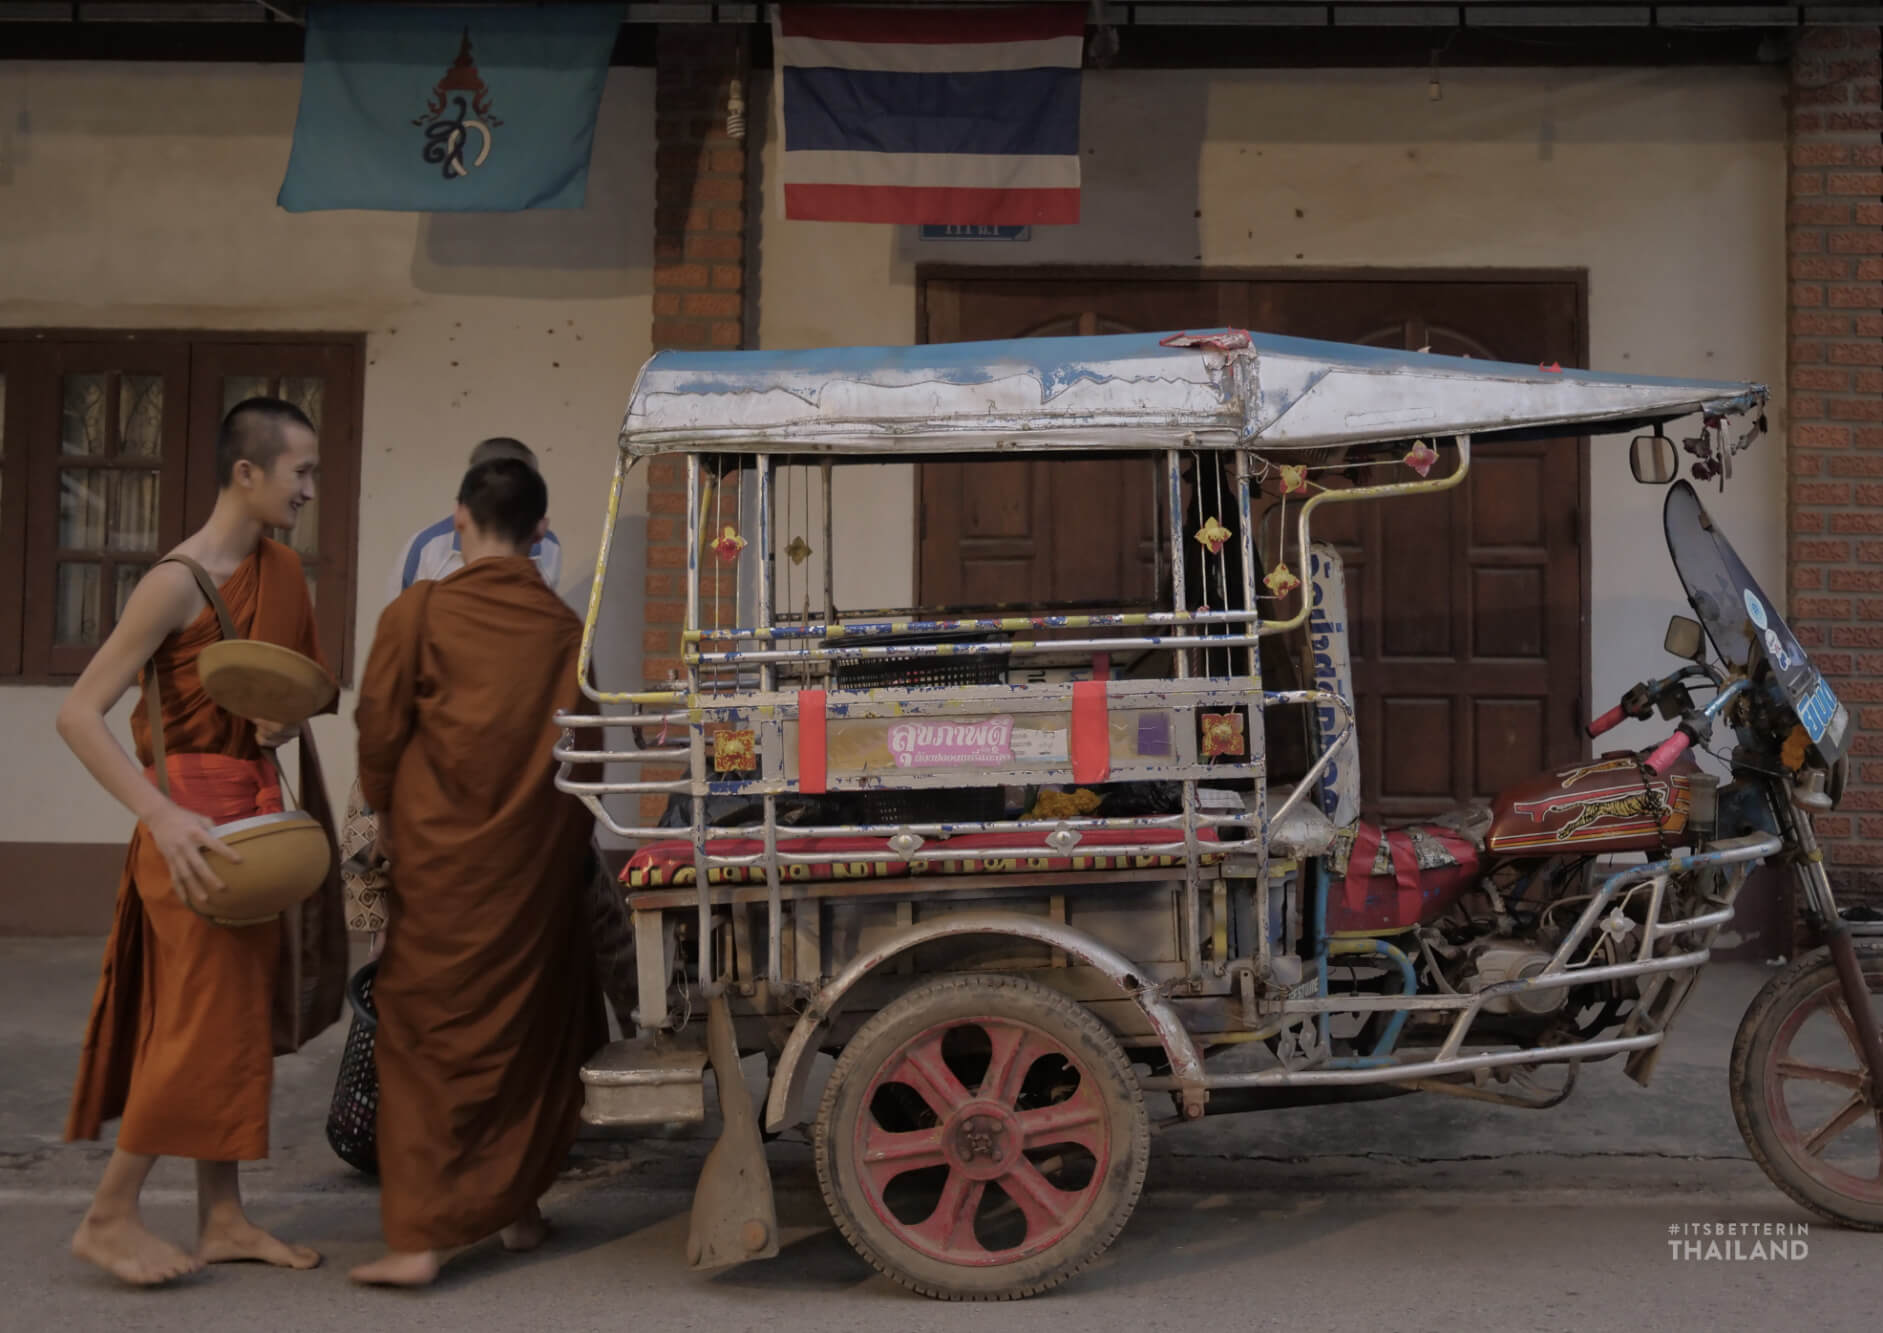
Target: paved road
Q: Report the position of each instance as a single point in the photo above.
(1580, 1263)
(1411, 1214)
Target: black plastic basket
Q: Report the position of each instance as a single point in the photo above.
(352, 1119)
(870, 673)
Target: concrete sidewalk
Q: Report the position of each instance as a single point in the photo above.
(1676, 1135)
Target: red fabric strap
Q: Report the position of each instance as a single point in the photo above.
(1091, 732)
(813, 752)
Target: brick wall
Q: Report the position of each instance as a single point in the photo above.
(1835, 506)
(699, 288)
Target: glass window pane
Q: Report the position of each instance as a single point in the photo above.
(237, 387)
(140, 415)
(306, 392)
(76, 618)
(83, 427)
(134, 511)
(127, 577)
(83, 494)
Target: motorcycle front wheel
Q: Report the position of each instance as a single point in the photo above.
(1811, 1116)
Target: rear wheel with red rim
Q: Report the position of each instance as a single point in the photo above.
(982, 1138)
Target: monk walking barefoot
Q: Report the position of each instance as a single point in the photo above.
(487, 995)
(181, 1037)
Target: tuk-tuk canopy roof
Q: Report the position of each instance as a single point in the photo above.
(1129, 391)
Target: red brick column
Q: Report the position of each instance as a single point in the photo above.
(1834, 233)
(699, 287)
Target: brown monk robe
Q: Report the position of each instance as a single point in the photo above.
(186, 1023)
(487, 996)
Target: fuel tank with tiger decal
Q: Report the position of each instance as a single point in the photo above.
(1611, 804)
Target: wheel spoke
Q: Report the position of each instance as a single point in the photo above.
(1047, 1207)
(1853, 1112)
(951, 1225)
(923, 1069)
(1843, 1078)
(1841, 1013)
(1075, 1120)
(1014, 1051)
(886, 1156)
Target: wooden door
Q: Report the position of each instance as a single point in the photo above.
(1467, 608)
(1048, 532)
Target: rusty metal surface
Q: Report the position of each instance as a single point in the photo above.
(783, 1106)
(1125, 392)
(734, 1218)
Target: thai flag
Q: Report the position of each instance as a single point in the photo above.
(965, 117)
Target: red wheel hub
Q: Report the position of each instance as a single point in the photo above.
(984, 1139)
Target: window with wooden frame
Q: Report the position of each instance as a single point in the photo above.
(108, 459)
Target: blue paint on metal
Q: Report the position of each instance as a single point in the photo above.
(1384, 1046)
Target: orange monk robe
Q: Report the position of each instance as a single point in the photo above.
(181, 1041)
(487, 996)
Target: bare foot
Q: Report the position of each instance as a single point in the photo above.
(239, 1240)
(130, 1253)
(526, 1233)
(399, 1270)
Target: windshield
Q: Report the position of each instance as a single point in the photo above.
(1738, 615)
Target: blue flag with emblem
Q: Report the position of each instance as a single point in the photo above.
(420, 110)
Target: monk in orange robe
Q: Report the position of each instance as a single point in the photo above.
(487, 992)
(180, 1042)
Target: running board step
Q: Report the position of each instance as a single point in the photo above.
(658, 1080)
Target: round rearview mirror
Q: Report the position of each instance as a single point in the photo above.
(1652, 459)
(1685, 639)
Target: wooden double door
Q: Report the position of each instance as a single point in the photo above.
(1468, 609)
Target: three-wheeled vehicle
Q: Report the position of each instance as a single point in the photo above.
(1020, 868)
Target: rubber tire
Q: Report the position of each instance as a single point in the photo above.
(1774, 1002)
(965, 996)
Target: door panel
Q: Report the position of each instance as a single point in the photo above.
(1468, 627)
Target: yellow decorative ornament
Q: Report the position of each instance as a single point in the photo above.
(1212, 535)
(799, 550)
(1294, 478)
(1281, 580)
(729, 545)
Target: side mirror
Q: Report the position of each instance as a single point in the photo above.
(1652, 459)
(1685, 639)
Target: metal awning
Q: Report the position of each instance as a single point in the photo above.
(1139, 34)
(1129, 392)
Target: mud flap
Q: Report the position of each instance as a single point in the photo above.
(734, 1218)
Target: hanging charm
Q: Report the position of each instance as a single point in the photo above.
(729, 545)
(1213, 534)
(1222, 735)
(1294, 478)
(1421, 457)
(735, 751)
(1281, 580)
(799, 550)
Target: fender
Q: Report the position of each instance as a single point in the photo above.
(783, 1105)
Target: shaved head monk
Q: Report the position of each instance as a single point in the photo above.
(487, 995)
(180, 1041)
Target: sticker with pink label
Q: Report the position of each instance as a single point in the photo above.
(984, 744)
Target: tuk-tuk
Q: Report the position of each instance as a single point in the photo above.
(1019, 869)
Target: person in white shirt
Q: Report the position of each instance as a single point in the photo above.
(433, 552)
